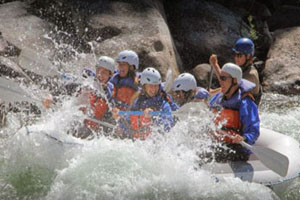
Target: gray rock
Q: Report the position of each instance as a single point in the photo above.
(282, 69)
(202, 75)
(39, 55)
(284, 17)
(139, 26)
(201, 28)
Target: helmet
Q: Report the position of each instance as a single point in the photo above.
(244, 45)
(107, 63)
(185, 82)
(130, 57)
(150, 76)
(234, 70)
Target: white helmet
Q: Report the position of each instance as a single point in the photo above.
(234, 70)
(107, 63)
(185, 82)
(130, 57)
(150, 76)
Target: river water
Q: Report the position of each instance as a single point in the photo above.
(34, 166)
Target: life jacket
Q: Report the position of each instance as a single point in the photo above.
(141, 125)
(227, 111)
(99, 107)
(124, 89)
(98, 104)
(257, 91)
(230, 121)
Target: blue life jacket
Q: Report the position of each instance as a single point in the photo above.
(157, 103)
(124, 88)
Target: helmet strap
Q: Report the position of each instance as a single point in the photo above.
(229, 89)
(246, 64)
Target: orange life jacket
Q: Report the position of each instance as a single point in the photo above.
(140, 126)
(124, 96)
(99, 106)
(230, 121)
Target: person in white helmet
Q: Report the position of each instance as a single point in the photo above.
(94, 98)
(236, 112)
(244, 49)
(99, 95)
(149, 99)
(186, 90)
(125, 81)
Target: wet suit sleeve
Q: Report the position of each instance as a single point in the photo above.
(250, 120)
(165, 119)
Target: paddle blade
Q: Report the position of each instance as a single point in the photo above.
(274, 160)
(194, 109)
(169, 81)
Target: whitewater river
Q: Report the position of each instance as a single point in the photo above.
(34, 166)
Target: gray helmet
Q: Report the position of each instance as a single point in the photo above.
(234, 70)
(107, 63)
(129, 57)
(185, 82)
(150, 76)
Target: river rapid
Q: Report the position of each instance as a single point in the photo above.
(35, 166)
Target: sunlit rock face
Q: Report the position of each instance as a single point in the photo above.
(282, 66)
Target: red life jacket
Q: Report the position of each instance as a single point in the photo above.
(124, 96)
(231, 124)
(99, 107)
(140, 126)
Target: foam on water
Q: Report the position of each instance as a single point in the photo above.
(162, 167)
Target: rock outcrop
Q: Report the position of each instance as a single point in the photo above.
(282, 71)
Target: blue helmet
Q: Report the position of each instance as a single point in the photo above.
(244, 45)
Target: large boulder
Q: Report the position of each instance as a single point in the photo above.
(282, 71)
(136, 25)
(201, 28)
(202, 74)
(284, 17)
(40, 50)
(26, 32)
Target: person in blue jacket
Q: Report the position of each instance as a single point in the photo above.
(125, 81)
(186, 90)
(148, 100)
(237, 114)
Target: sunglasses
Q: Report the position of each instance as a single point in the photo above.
(239, 55)
(224, 78)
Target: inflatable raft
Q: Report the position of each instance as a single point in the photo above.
(255, 171)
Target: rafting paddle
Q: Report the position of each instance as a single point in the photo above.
(210, 77)
(192, 109)
(273, 160)
(106, 124)
(169, 81)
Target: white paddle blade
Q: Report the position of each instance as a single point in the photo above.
(169, 81)
(199, 109)
(274, 160)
